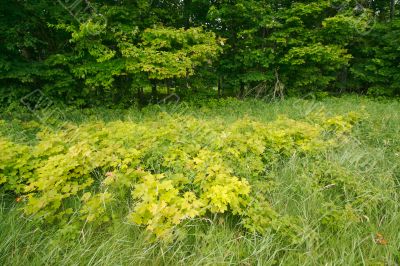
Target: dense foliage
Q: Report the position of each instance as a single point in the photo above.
(228, 181)
(176, 167)
(288, 182)
(92, 52)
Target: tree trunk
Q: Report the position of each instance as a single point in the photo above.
(154, 89)
(241, 92)
(140, 96)
(169, 85)
(219, 87)
(187, 5)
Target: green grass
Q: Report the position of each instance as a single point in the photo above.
(372, 155)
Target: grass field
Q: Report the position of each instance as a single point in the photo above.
(338, 205)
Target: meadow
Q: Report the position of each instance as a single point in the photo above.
(206, 182)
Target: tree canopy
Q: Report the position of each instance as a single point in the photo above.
(91, 52)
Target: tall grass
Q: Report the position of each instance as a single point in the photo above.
(372, 154)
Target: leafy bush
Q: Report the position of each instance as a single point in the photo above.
(176, 168)
(15, 166)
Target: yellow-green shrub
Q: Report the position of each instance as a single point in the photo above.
(16, 164)
(176, 168)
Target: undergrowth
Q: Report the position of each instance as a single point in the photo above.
(221, 182)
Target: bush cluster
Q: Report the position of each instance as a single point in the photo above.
(166, 171)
